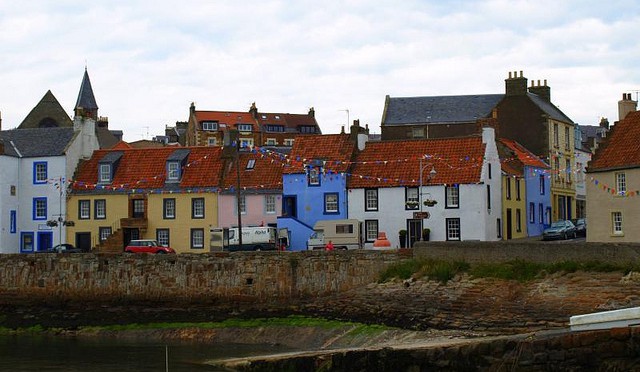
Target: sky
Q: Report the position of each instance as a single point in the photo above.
(148, 60)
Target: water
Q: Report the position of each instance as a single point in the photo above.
(48, 353)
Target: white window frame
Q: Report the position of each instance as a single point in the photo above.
(616, 223)
(197, 208)
(453, 229)
(331, 203)
(243, 204)
(288, 141)
(251, 163)
(246, 142)
(621, 182)
(271, 142)
(173, 171)
(212, 141)
(197, 238)
(371, 230)
(370, 199)
(163, 237)
(314, 176)
(411, 198)
(105, 232)
(40, 172)
(105, 173)
(84, 209)
(270, 204)
(245, 128)
(100, 209)
(452, 196)
(169, 208)
(210, 125)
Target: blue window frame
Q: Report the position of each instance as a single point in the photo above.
(39, 208)
(313, 177)
(331, 203)
(26, 241)
(40, 172)
(12, 222)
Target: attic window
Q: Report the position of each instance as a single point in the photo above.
(307, 129)
(105, 173)
(175, 163)
(264, 117)
(277, 117)
(210, 125)
(244, 127)
(173, 171)
(251, 163)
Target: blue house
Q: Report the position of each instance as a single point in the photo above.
(314, 183)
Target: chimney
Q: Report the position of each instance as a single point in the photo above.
(192, 108)
(0, 120)
(542, 91)
(626, 105)
(516, 85)
(312, 112)
(604, 123)
(254, 111)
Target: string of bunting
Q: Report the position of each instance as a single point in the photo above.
(611, 190)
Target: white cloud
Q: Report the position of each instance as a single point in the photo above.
(148, 61)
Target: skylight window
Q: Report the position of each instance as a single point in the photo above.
(251, 163)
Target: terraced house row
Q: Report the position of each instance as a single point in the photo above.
(469, 167)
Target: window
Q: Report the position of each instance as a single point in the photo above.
(169, 209)
(251, 164)
(105, 173)
(39, 208)
(197, 238)
(616, 221)
(173, 171)
(314, 176)
(271, 142)
(568, 170)
(162, 236)
(209, 125)
(331, 203)
(39, 172)
(26, 241)
(100, 209)
(508, 188)
(518, 220)
(197, 208)
(489, 169)
(555, 135)
(567, 139)
(418, 133)
(307, 129)
(243, 204)
(344, 229)
(547, 216)
(288, 142)
(104, 233)
(411, 198)
(489, 197)
(274, 128)
(452, 196)
(246, 142)
(212, 141)
(517, 180)
(532, 212)
(540, 213)
(371, 230)
(556, 168)
(499, 225)
(84, 209)
(542, 184)
(12, 222)
(371, 199)
(621, 183)
(245, 127)
(453, 228)
(270, 204)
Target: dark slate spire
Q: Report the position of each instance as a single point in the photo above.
(86, 100)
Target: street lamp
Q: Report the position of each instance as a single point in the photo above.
(432, 174)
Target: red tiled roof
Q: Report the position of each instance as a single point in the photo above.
(514, 156)
(121, 145)
(523, 154)
(145, 168)
(227, 118)
(621, 147)
(397, 163)
(266, 173)
(335, 149)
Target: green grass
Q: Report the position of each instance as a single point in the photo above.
(519, 270)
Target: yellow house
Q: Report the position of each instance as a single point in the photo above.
(169, 194)
(514, 212)
(613, 185)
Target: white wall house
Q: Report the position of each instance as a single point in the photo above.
(461, 174)
(39, 162)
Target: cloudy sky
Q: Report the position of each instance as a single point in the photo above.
(148, 60)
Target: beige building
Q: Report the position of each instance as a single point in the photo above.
(613, 182)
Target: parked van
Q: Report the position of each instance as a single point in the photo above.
(343, 234)
(253, 239)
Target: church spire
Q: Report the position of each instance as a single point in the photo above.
(86, 104)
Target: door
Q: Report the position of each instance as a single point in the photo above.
(83, 241)
(509, 224)
(414, 231)
(289, 208)
(129, 235)
(45, 240)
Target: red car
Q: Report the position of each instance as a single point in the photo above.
(147, 246)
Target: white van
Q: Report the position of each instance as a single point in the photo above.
(253, 239)
(343, 234)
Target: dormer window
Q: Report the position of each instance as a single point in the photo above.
(173, 171)
(277, 117)
(307, 129)
(210, 125)
(245, 127)
(105, 173)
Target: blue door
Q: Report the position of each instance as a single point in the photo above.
(45, 240)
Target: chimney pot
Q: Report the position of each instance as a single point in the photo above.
(520, 73)
(538, 82)
(509, 74)
(545, 82)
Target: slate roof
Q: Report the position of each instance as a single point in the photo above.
(265, 175)
(37, 142)
(621, 148)
(48, 107)
(439, 109)
(145, 168)
(397, 163)
(549, 108)
(86, 99)
(336, 149)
